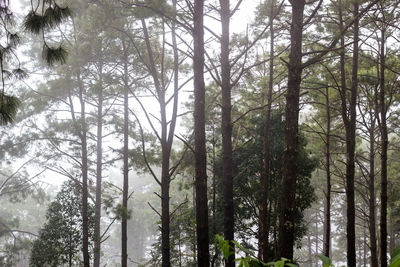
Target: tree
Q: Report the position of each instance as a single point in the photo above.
(288, 203)
(203, 257)
(226, 120)
(59, 242)
(50, 16)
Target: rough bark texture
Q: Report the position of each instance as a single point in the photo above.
(99, 167)
(266, 143)
(227, 130)
(125, 188)
(384, 148)
(289, 179)
(327, 212)
(203, 257)
(83, 131)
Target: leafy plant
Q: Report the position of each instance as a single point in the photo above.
(395, 257)
(250, 260)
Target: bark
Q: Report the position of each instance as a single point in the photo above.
(349, 120)
(266, 144)
(99, 166)
(125, 187)
(371, 188)
(227, 131)
(203, 257)
(289, 179)
(84, 168)
(327, 212)
(384, 148)
(350, 149)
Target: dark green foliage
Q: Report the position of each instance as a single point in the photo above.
(54, 15)
(248, 166)
(8, 108)
(249, 260)
(34, 22)
(54, 55)
(51, 16)
(59, 242)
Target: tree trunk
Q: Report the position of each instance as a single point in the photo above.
(289, 179)
(371, 188)
(214, 195)
(266, 143)
(203, 257)
(310, 261)
(327, 223)
(125, 188)
(316, 237)
(99, 166)
(392, 243)
(227, 131)
(350, 149)
(165, 152)
(384, 148)
(83, 132)
(349, 121)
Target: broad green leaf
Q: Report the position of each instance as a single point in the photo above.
(327, 262)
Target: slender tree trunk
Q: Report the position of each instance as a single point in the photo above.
(392, 243)
(371, 188)
(310, 261)
(266, 143)
(350, 150)
(384, 148)
(214, 195)
(289, 179)
(99, 167)
(83, 132)
(365, 246)
(349, 121)
(165, 152)
(227, 131)
(125, 188)
(203, 255)
(316, 237)
(327, 223)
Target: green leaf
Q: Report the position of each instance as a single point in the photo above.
(395, 262)
(396, 252)
(327, 262)
(279, 264)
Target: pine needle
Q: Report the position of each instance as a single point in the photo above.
(8, 109)
(54, 55)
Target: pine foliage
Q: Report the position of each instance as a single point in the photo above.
(8, 109)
